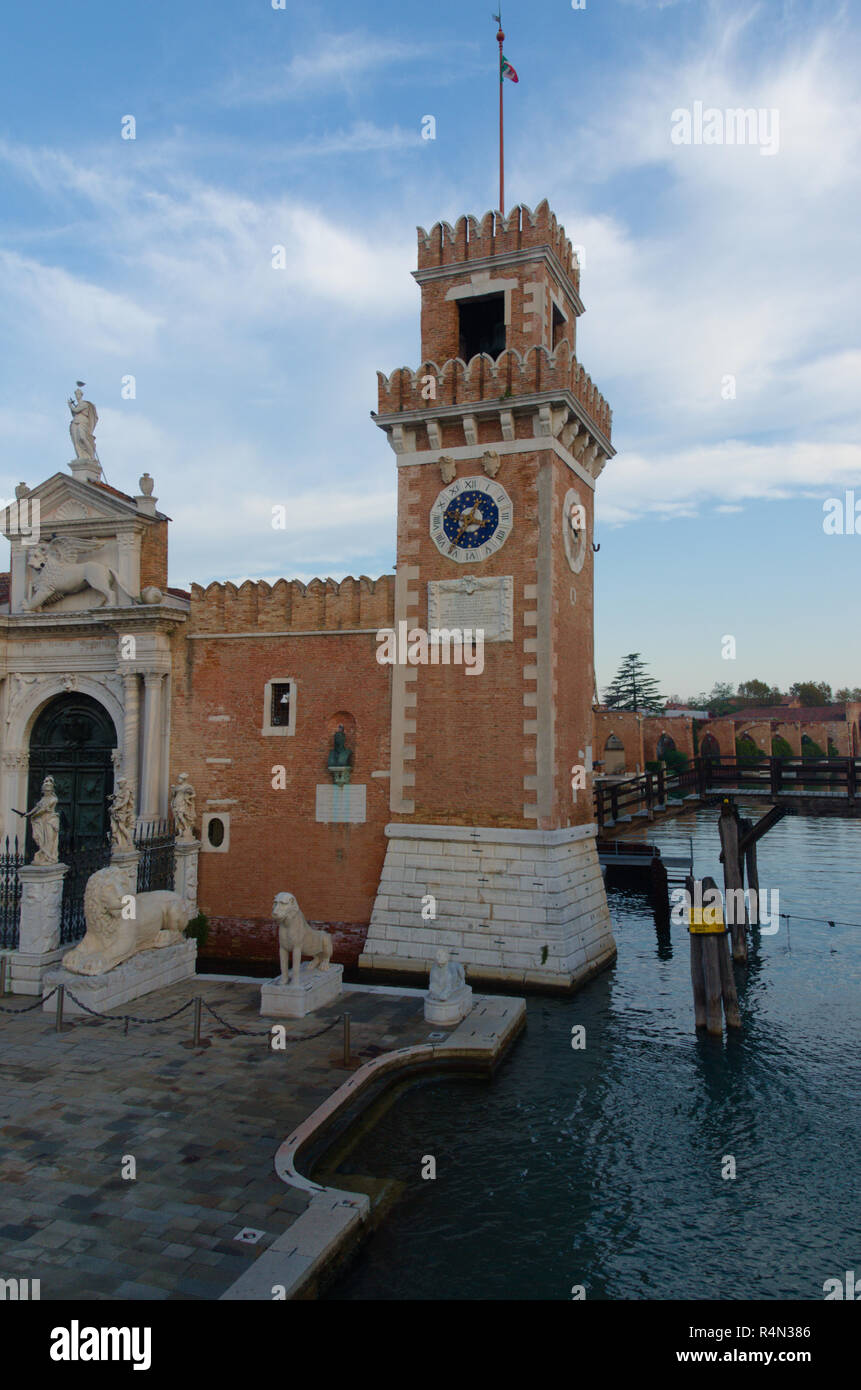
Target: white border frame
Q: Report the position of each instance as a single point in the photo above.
(270, 730)
(205, 846)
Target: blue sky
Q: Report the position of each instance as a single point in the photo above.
(301, 127)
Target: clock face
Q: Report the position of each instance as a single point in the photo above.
(471, 519)
(574, 533)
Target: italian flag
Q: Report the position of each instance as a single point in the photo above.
(508, 71)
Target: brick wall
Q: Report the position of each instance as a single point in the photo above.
(275, 841)
(154, 555)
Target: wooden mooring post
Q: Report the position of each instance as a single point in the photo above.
(751, 868)
(733, 876)
(711, 968)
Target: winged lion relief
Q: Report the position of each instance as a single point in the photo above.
(59, 567)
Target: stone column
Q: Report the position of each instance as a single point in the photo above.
(151, 769)
(131, 726)
(39, 932)
(185, 854)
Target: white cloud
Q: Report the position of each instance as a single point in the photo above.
(338, 60)
(634, 486)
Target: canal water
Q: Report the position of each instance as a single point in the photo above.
(602, 1167)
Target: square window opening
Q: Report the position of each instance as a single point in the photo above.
(482, 326)
(558, 327)
(279, 709)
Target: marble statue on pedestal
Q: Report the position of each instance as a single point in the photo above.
(45, 823)
(296, 937)
(449, 997)
(447, 977)
(183, 807)
(83, 424)
(122, 807)
(112, 937)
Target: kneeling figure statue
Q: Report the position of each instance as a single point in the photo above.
(113, 935)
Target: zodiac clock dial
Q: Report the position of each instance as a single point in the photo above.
(471, 519)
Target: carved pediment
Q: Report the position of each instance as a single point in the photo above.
(75, 546)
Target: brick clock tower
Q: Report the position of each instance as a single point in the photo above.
(500, 437)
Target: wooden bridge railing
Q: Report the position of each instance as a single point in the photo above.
(771, 777)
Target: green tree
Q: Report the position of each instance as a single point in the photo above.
(759, 693)
(811, 693)
(632, 687)
(810, 748)
(722, 699)
(847, 693)
(746, 750)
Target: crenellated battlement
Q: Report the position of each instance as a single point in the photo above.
(290, 605)
(493, 235)
(512, 374)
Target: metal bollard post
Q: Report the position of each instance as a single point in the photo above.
(346, 1040)
(3, 963)
(58, 1021)
(197, 1013)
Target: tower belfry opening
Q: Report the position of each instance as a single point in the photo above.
(482, 326)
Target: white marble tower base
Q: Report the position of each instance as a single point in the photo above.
(315, 989)
(522, 906)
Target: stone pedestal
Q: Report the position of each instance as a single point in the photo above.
(39, 932)
(527, 907)
(185, 854)
(143, 973)
(315, 989)
(449, 1011)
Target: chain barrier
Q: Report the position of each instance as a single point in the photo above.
(28, 1008)
(127, 1018)
(265, 1032)
(164, 1018)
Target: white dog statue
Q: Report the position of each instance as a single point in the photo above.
(294, 935)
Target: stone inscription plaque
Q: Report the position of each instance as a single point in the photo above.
(474, 603)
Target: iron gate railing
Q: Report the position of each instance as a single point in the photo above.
(155, 840)
(11, 859)
(84, 856)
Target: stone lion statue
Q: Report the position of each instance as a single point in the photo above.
(59, 569)
(113, 934)
(295, 935)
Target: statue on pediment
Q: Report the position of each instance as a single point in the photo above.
(83, 424)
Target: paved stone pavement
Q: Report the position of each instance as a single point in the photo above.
(203, 1126)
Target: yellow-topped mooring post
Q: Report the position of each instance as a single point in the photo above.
(711, 968)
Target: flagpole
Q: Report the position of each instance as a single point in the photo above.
(500, 38)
